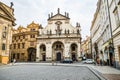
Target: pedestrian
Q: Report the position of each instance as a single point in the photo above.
(101, 58)
(106, 58)
(14, 61)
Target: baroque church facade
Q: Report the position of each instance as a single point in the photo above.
(59, 40)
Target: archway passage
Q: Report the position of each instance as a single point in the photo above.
(31, 54)
(58, 56)
(73, 50)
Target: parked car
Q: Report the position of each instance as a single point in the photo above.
(67, 61)
(89, 61)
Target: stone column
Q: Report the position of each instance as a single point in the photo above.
(48, 52)
(78, 52)
(66, 51)
(38, 53)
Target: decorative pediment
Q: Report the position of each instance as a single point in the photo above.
(33, 25)
(6, 12)
(58, 17)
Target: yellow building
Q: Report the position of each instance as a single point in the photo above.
(6, 23)
(24, 43)
(86, 47)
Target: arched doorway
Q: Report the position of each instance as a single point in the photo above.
(31, 54)
(73, 51)
(58, 56)
(43, 52)
(57, 51)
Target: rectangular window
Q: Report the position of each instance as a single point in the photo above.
(13, 56)
(15, 37)
(18, 55)
(23, 36)
(32, 36)
(23, 45)
(119, 52)
(14, 46)
(19, 37)
(18, 45)
(116, 15)
(56, 46)
(3, 46)
(32, 29)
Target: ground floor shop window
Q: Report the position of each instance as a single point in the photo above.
(119, 52)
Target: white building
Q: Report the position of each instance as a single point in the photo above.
(115, 23)
(96, 31)
(59, 39)
(105, 31)
(101, 32)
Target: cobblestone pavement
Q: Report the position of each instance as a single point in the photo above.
(112, 76)
(108, 72)
(46, 72)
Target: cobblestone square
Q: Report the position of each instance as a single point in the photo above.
(42, 72)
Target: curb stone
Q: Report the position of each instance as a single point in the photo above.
(98, 74)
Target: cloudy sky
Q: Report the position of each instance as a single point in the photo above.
(27, 11)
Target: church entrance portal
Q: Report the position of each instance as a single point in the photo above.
(58, 56)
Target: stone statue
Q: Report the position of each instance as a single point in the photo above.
(11, 4)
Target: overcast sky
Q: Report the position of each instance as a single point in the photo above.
(27, 11)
